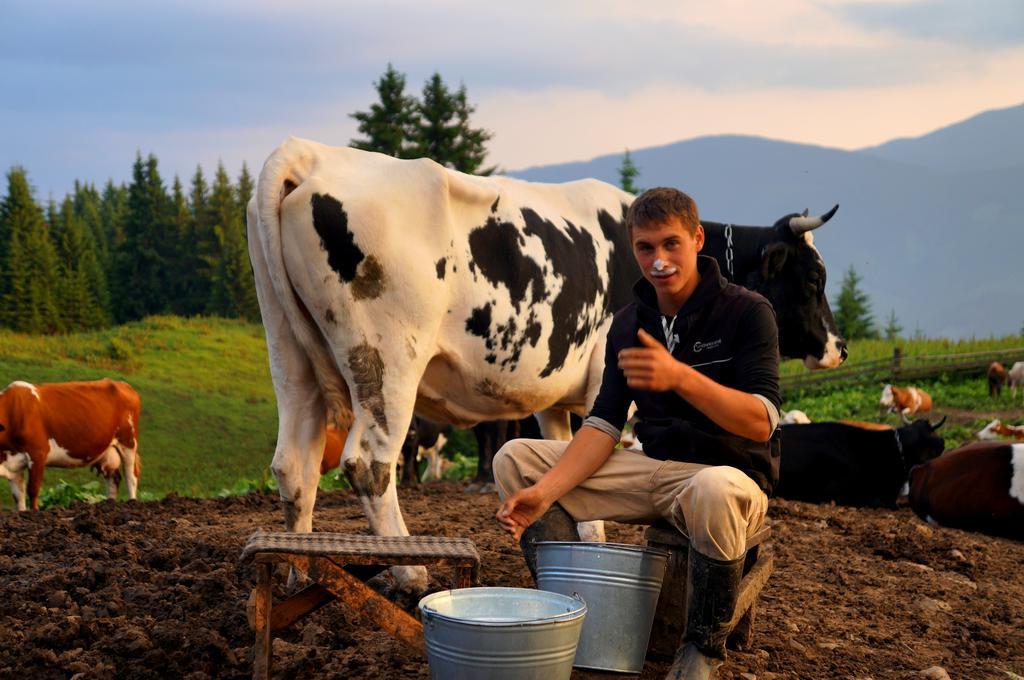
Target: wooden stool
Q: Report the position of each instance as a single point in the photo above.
(670, 616)
(338, 564)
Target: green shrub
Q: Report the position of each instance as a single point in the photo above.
(464, 467)
(64, 494)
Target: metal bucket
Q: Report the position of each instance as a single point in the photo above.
(501, 633)
(620, 584)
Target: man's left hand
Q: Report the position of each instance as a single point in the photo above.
(650, 367)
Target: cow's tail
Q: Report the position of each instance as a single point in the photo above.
(286, 168)
(291, 164)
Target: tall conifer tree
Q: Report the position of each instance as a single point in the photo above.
(30, 271)
(204, 246)
(627, 173)
(388, 125)
(233, 291)
(852, 309)
(81, 289)
(181, 271)
(140, 265)
(113, 208)
(443, 132)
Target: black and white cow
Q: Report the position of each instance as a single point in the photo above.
(782, 264)
(978, 486)
(852, 465)
(389, 287)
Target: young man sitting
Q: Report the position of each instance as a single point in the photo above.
(700, 358)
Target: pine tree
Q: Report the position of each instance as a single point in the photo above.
(443, 132)
(852, 310)
(30, 272)
(81, 288)
(181, 270)
(202, 258)
(389, 124)
(245, 189)
(87, 205)
(233, 291)
(140, 264)
(113, 208)
(627, 173)
(892, 328)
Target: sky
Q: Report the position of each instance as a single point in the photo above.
(84, 86)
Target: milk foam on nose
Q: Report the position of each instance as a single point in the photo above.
(659, 264)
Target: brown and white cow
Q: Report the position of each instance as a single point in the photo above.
(996, 378)
(997, 429)
(905, 400)
(72, 424)
(979, 486)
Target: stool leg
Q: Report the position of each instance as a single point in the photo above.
(464, 578)
(262, 650)
(743, 634)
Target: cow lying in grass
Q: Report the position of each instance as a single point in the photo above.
(997, 429)
(850, 465)
(906, 401)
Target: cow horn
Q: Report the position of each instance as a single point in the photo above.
(939, 424)
(802, 224)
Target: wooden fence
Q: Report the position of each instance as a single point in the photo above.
(897, 370)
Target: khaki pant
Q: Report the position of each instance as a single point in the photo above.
(718, 507)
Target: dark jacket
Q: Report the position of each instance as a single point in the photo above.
(726, 332)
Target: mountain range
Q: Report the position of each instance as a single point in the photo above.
(931, 224)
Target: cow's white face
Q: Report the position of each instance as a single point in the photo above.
(989, 433)
(886, 400)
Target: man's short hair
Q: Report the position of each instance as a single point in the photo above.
(658, 205)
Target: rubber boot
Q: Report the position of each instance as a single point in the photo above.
(713, 587)
(554, 525)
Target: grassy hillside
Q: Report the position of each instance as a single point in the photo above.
(208, 412)
(209, 419)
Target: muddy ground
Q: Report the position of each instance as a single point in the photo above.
(155, 590)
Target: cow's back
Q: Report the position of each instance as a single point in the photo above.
(86, 417)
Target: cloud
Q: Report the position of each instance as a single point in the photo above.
(981, 24)
(107, 77)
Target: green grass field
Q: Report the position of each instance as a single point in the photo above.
(209, 420)
(209, 417)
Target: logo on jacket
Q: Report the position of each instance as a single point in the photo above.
(701, 346)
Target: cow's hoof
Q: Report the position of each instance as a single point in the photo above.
(473, 487)
(411, 580)
(489, 487)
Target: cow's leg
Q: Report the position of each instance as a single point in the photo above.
(554, 424)
(113, 483)
(16, 478)
(128, 455)
(383, 381)
(35, 479)
(19, 491)
(13, 468)
(302, 431)
(301, 406)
